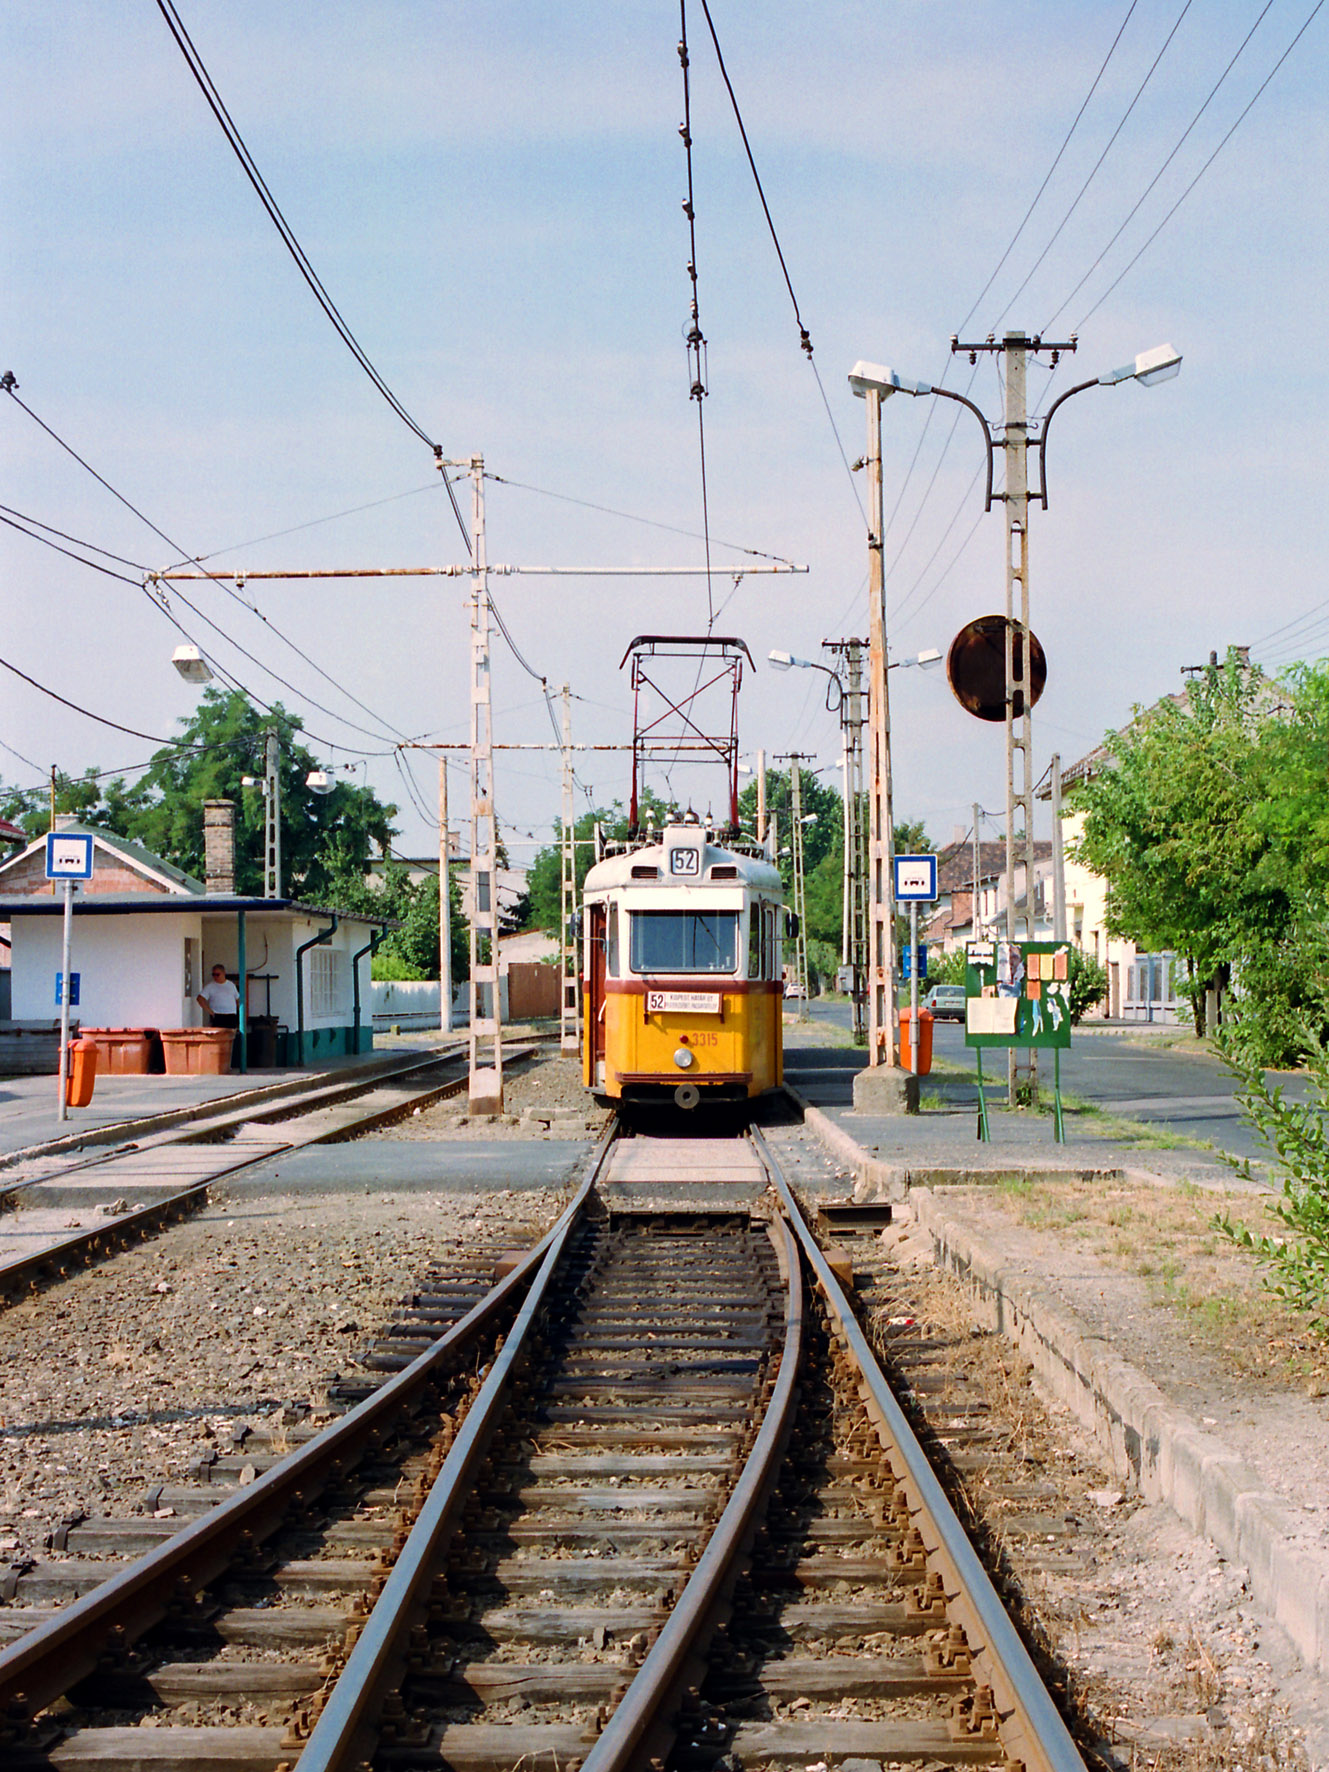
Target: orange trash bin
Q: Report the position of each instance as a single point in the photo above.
(82, 1073)
(924, 1040)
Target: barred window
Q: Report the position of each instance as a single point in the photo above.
(327, 995)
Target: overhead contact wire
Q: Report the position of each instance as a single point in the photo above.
(216, 105)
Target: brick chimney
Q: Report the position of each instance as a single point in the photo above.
(219, 846)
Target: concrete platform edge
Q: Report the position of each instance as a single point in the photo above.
(887, 1181)
(1151, 1444)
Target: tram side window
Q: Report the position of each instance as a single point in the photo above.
(611, 943)
(756, 954)
(684, 941)
(774, 962)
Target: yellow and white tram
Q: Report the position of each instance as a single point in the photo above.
(682, 971)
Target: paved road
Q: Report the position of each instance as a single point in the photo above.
(1190, 1094)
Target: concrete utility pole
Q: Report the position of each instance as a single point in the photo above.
(761, 796)
(1022, 1061)
(794, 758)
(444, 905)
(567, 901)
(978, 871)
(854, 923)
(271, 815)
(485, 1092)
(1022, 1074)
(1058, 856)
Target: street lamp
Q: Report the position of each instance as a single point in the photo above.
(873, 383)
(1148, 368)
(191, 664)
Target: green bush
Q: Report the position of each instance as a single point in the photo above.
(823, 962)
(1087, 983)
(1297, 1259)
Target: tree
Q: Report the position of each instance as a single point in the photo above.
(1172, 826)
(325, 837)
(544, 881)
(411, 950)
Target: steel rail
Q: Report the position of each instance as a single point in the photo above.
(632, 1736)
(345, 1732)
(82, 1247)
(1033, 1729)
(45, 1663)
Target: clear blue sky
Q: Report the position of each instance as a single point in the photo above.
(492, 195)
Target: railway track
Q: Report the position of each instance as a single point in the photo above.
(175, 1167)
(649, 1502)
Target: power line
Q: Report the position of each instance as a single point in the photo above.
(1056, 161)
(1177, 147)
(36, 523)
(87, 713)
(69, 554)
(1094, 169)
(218, 108)
(10, 386)
(1130, 266)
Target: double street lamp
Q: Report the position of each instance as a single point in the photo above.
(874, 383)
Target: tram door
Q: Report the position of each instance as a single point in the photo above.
(595, 1008)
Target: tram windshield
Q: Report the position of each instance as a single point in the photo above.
(684, 941)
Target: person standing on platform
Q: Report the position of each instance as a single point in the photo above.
(221, 999)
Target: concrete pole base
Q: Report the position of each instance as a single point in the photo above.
(883, 1090)
(485, 1097)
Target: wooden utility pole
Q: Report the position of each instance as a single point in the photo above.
(485, 1092)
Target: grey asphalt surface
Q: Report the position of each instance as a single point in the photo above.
(1183, 1093)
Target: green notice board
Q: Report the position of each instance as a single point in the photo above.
(1017, 993)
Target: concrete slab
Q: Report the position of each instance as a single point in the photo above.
(650, 1162)
(468, 1166)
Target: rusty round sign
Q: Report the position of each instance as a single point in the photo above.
(976, 668)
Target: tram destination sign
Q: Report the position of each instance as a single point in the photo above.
(686, 1002)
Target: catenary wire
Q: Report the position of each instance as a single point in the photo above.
(1241, 118)
(1176, 149)
(158, 601)
(204, 80)
(696, 340)
(631, 517)
(45, 540)
(804, 339)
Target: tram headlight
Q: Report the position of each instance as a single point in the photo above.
(684, 1059)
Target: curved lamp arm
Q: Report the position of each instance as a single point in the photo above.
(1079, 388)
(946, 394)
